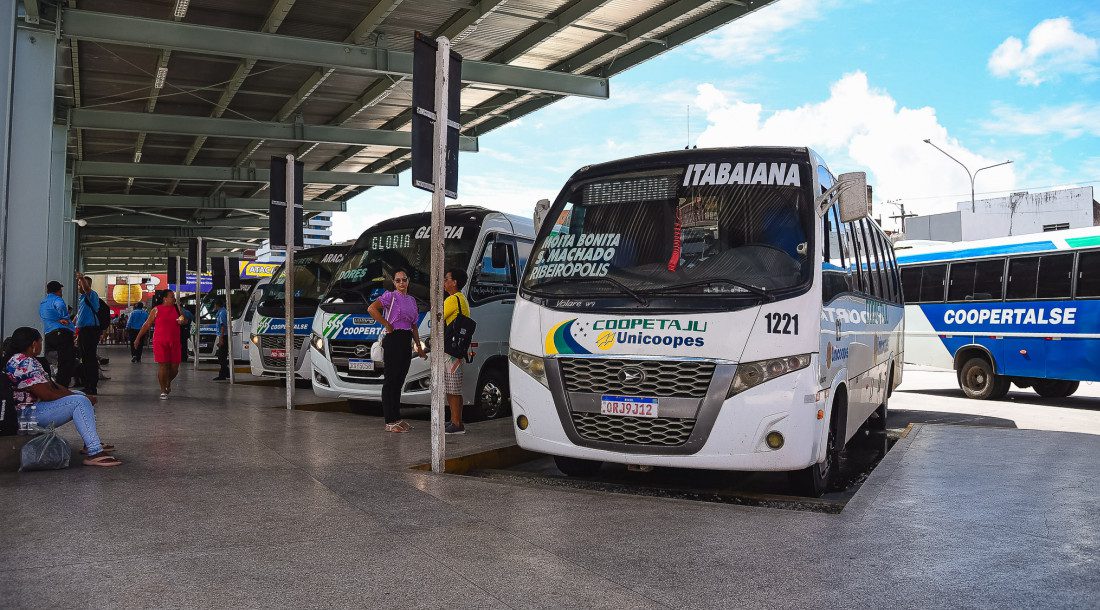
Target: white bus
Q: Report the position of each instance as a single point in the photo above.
(208, 329)
(729, 309)
(492, 247)
(1021, 310)
(313, 271)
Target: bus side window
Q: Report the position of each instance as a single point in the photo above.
(1088, 275)
(880, 261)
(866, 258)
(910, 282)
(932, 283)
(960, 282)
(855, 261)
(989, 280)
(1023, 274)
(1055, 276)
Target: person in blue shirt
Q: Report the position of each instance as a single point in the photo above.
(57, 326)
(222, 350)
(87, 334)
(133, 325)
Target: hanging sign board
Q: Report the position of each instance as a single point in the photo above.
(277, 208)
(423, 119)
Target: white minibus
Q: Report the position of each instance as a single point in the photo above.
(730, 309)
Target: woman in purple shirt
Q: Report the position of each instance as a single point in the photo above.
(396, 311)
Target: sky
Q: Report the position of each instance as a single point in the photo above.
(862, 82)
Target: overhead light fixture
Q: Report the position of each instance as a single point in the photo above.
(181, 8)
(137, 157)
(80, 222)
(162, 73)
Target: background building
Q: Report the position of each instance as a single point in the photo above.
(1016, 214)
(317, 232)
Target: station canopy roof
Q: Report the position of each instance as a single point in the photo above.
(176, 106)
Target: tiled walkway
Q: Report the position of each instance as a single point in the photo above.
(227, 500)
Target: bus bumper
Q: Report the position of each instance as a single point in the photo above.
(788, 405)
(328, 384)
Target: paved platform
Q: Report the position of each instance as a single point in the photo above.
(227, 500)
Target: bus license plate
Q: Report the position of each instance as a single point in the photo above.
(357, 364)
(628, 406)
(278, 353)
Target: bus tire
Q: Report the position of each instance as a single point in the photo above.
(365, 407)
(816, 479)
(491, 400)
(1055, 388)
(882, 413)
(576, 467)
(978, 381)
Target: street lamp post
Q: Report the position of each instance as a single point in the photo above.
(971, 175)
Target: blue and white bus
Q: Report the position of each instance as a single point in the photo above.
(1021, 310)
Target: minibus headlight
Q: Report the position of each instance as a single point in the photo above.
(255, 339)
(534, 366)
(750, 374)
(317, 341)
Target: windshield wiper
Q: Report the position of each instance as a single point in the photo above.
(760, 292)
(621, 286)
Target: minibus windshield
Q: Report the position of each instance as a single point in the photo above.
(311, 278)
(368, 272)
(206, 309)
(645, 233)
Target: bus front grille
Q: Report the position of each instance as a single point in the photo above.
(662, 378)
(270, 342)
(340, 351)
(661, 431)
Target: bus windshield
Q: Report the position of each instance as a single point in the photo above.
(312, 275)
(368, 271)
(647, 233)
(239, 298)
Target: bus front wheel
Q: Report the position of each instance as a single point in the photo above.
(978, 381)
(1055, 388)
(576, 467)
(815, 480)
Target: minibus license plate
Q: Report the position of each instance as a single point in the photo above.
(628, 406)
(358, 364)
(278, 353)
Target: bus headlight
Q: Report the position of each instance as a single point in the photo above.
(534, 366)
(750, 374)
(255, 339)
(317, 341)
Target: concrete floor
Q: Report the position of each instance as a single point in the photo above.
(226, 500)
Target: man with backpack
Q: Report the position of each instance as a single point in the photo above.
(92, 316)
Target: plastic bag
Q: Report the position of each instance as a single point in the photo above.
(45, 452)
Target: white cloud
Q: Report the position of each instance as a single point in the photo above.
(1053, 47)
(1071, 120)
(860, 128)
(755, 37)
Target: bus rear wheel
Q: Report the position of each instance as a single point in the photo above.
(576, 467)
(1055, 388)
(978, 381)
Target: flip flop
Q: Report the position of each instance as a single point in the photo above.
(105, 449)
(164, 395)
(396, 427)
(102, 460)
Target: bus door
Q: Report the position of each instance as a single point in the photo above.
(492, 296)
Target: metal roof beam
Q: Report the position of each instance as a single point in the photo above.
(107, 120)
(195, 203)
(173, 232)
(132, 220)
(157, 33)
(226, 174)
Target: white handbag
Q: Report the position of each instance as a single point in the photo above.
(376, 353)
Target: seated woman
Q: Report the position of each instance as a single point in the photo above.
(55, 405)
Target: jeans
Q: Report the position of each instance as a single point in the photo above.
(75, 408)
(396, 357)
(135, 353)
(87, 341)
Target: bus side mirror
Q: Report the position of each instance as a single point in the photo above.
(542, 208)
(852, 193)
(500, 255)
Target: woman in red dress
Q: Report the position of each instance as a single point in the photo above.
(166, 321)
